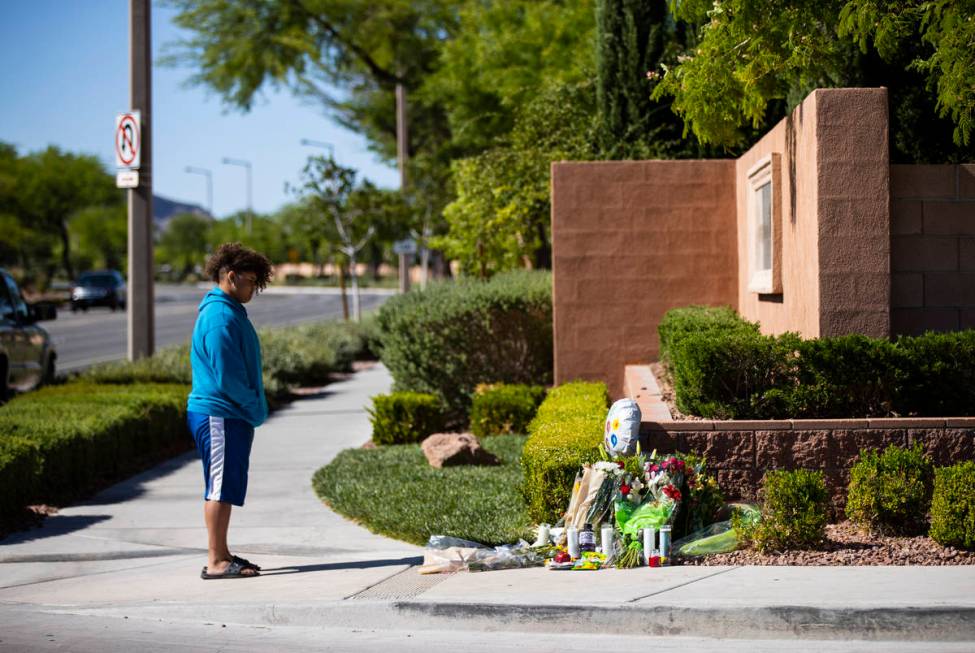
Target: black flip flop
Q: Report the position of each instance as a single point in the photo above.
(243, 562)
(234, 570)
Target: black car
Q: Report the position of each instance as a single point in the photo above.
(102, 288)
(27, 356)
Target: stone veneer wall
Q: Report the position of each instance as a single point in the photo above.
(932, 248)
(741, 451)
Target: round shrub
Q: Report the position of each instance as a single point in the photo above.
(794, 511)
(503, 409)
(890, 492)
(953, 506)
(451, 337)
(405, 417)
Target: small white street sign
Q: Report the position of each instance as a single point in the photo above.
(407, 246)
(128, 140)
(127, 179)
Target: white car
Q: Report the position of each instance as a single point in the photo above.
(27, 357)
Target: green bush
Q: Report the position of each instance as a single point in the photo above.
(953, 506)
(890, 492)
(451, 337)
(405, 417)
(20, 471)
(292, 356)
(564, 435)
(678, 323)
(85, 435)
(502, 408)
(412, 500)
(794, 511)
(722, 367)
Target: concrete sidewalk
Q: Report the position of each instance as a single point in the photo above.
(134, 552)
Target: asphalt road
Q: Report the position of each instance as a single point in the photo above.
(83, 339)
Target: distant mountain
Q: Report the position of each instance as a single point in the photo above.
(163, 210)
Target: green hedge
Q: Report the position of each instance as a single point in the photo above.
(564, 435)
(292, 356)
(890, 492)
(405, 417)
(505, 409)
(451, 337)
(953, 506)
(61, 442)
(722, 367)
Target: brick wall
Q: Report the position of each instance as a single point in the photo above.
(932, 248)
(631, 240)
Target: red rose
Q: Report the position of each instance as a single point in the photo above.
(625, 489)
(621, 464)
(672, 492)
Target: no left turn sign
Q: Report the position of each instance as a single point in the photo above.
(128, 140)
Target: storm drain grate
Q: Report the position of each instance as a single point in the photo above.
(406, 584)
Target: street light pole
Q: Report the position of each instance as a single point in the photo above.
(140, 292)
(328, 146)
(209, 175)
(250, 203)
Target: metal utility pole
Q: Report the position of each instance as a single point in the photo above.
(209, 175)
(250, 199)
(328, 146)
(402, 155)
(141, 317)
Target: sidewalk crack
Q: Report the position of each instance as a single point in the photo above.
(684, 584)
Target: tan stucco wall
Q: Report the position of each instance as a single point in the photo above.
(630, 240)
(932, 248)
(835, 209)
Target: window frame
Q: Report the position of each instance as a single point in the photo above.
(767, 171)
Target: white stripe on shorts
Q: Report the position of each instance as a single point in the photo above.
(217, 451)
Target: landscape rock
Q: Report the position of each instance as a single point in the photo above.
(449, 449)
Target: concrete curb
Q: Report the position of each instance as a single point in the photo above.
(941, 624)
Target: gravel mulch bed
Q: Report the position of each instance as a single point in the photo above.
(847, 545)
(667, 393)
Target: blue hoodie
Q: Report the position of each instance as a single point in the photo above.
(226, 359)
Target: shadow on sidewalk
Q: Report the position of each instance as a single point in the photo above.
(333, 566)
(54, 525)
(134, 486)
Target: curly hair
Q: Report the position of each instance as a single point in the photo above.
(237, 257)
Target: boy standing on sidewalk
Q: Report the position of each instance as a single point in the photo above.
(227, 401)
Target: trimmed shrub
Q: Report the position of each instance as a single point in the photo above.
(794, 510)
(87, 435)
(890, 492)
(20, 470)
(504, 409)
(724, 368)
(405, 417)
(678, 323)
(564, 435)
(953, 506)
(451, 337)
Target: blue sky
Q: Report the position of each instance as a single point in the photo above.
(64, 77)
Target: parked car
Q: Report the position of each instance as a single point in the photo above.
(27, 357)
(101, 288)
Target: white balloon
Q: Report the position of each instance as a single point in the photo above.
(622, 432)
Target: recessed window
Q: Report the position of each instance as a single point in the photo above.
(764, 226)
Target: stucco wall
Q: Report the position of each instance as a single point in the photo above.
(630, 240)
(932, 248)
(834, 207)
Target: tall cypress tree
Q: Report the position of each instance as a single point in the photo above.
(633, 38)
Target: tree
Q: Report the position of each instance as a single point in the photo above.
(753, 63)
(350, 208)
(633, 37)
(183, 245)
(99, 237)
(500, 219)
(53, 185)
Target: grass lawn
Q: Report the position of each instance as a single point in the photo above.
(393, 491)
